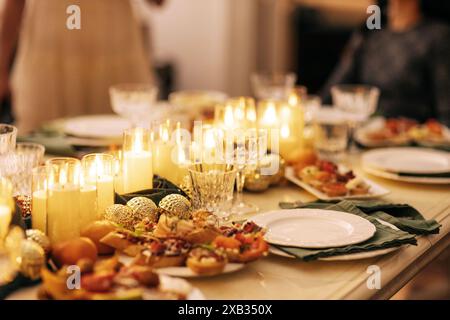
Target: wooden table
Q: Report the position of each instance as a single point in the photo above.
(284, 278)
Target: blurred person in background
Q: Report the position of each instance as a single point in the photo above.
(60, 72)
(408, 59)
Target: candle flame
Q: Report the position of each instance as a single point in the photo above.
(228, 117)
(63, 177)
(293, 99)
(270, 115)
(138, 140)
(285, 131)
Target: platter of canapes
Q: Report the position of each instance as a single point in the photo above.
(330, 181)
(382, 132)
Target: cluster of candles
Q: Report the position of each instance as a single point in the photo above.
(283, 119)
(68, 194)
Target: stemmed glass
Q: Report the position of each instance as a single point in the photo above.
(272, 85)
(133, 101)
(247, 151)
(359, 102)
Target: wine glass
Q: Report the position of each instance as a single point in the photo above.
(359, 102)
(275, 86)
(133, 101)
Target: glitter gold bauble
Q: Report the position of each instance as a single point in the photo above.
(176, 204)
(257, 182)
(143, 208)
(278, 177)
(31, 259)
(40, 238)
(121, 215)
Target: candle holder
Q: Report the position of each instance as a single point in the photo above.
(272, 85)
(236, 113)
(39, 198)
(8, 135)
(6, 207)
(63, 198)
(98, 170)
(137, 166)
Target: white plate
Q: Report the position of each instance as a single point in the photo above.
(373, 125)
(346, 257)
(31, 293)
(185, 272)
(408, 160)
(375, 190)
(314, 228)
(411, 179)
(97, 126)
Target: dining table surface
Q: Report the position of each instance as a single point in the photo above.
(276, 277)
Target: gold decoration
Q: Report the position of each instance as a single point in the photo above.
(13, 242)
(24, 203)
(31, 259)
(40, 238)
(143, 208)
(279, 176)
(257, 182)
(176, 204)
(121, 215)
(186, 186)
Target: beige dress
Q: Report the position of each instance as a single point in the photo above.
(61, 72)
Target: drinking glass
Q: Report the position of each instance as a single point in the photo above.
(248, 148)
(311, 103)
(8, 135)
(39, 198)
(134, 101)
(275, 86)
(330, 133)
(359, 102)
(27, 156)
(213, 186)
(7, 269)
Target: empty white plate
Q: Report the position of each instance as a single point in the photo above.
(314, 228)
(97, 126)
(408, 160)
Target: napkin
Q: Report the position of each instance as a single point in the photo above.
(406, 218)
(161, 188)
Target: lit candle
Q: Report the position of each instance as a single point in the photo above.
(88, 205)
(39, 199)
(63, 199)
(137, 160)
(99, 171)
(5, 220)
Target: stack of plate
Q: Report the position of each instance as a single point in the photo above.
(318, 229)
(416, 165)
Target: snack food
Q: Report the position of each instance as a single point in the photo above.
(332, 180)
(206, 260)
(70, 251)
(111, 280)
(96, 231)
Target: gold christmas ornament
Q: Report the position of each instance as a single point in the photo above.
(24, 203)
(121, 215)
(257, 182)
(176, 204)
(186, 186)
(279, 176)
(31, 259)
(13, 242)
(40, 238)
(143, 208)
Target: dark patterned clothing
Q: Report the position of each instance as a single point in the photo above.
(412, 70)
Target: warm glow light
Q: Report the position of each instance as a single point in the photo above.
(293, 99)
(270, 115)
(285, 113)
(138, 141)
(251, 115)
(209, 141)
(63, 177)
(285, 131)
(228, 117)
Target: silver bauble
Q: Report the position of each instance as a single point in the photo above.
(31, 259)
(40, 238)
